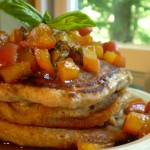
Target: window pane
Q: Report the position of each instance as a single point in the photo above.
(126, 21)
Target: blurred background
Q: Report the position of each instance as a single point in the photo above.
(126, 21)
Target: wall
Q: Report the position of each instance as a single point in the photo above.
(8, 23)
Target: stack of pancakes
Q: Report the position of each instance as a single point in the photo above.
(46, 113)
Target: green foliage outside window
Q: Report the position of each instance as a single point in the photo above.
(126, 21)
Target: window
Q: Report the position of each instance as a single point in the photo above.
(127, 21)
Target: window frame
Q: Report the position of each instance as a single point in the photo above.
(37, 5)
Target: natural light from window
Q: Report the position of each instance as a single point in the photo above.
(125, 21)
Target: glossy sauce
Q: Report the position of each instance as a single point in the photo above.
(85, 79)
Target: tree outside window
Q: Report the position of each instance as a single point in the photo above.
(127, 21)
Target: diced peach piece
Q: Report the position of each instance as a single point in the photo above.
(136, 107)
(12, 37)
(27, 55)
(8, 54)
(90, 61)
(99, 52)
(147, 108)
(15, 72)
(98, 49)
(58, 36)
(43, 60)
(67, 70)
(112, 121)
(93, 146)
(112, 55)
(145, 128)
(110, 46)
(109, 56)
(118, 53)
(39, 37)
(119, 61)
(17, 35)
(85, 31)
(83, 40)
(134, 122)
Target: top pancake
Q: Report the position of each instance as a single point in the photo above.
(88, 90)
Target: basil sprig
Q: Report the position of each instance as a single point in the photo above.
(31, 17)
(47, 18)
(71, 21)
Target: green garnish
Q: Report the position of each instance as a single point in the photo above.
(71, 21)
(47, 18)
(31, 17)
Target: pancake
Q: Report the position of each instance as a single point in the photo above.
(39, 115)
(88, 90)
(52, 137)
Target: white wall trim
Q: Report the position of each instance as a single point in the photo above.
(72, 5)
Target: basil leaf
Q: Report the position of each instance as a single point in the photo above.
(72, 21)
(47, 18)
(31, 17)
(22, 11)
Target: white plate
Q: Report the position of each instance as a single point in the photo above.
(138, 93)
(143, 143)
